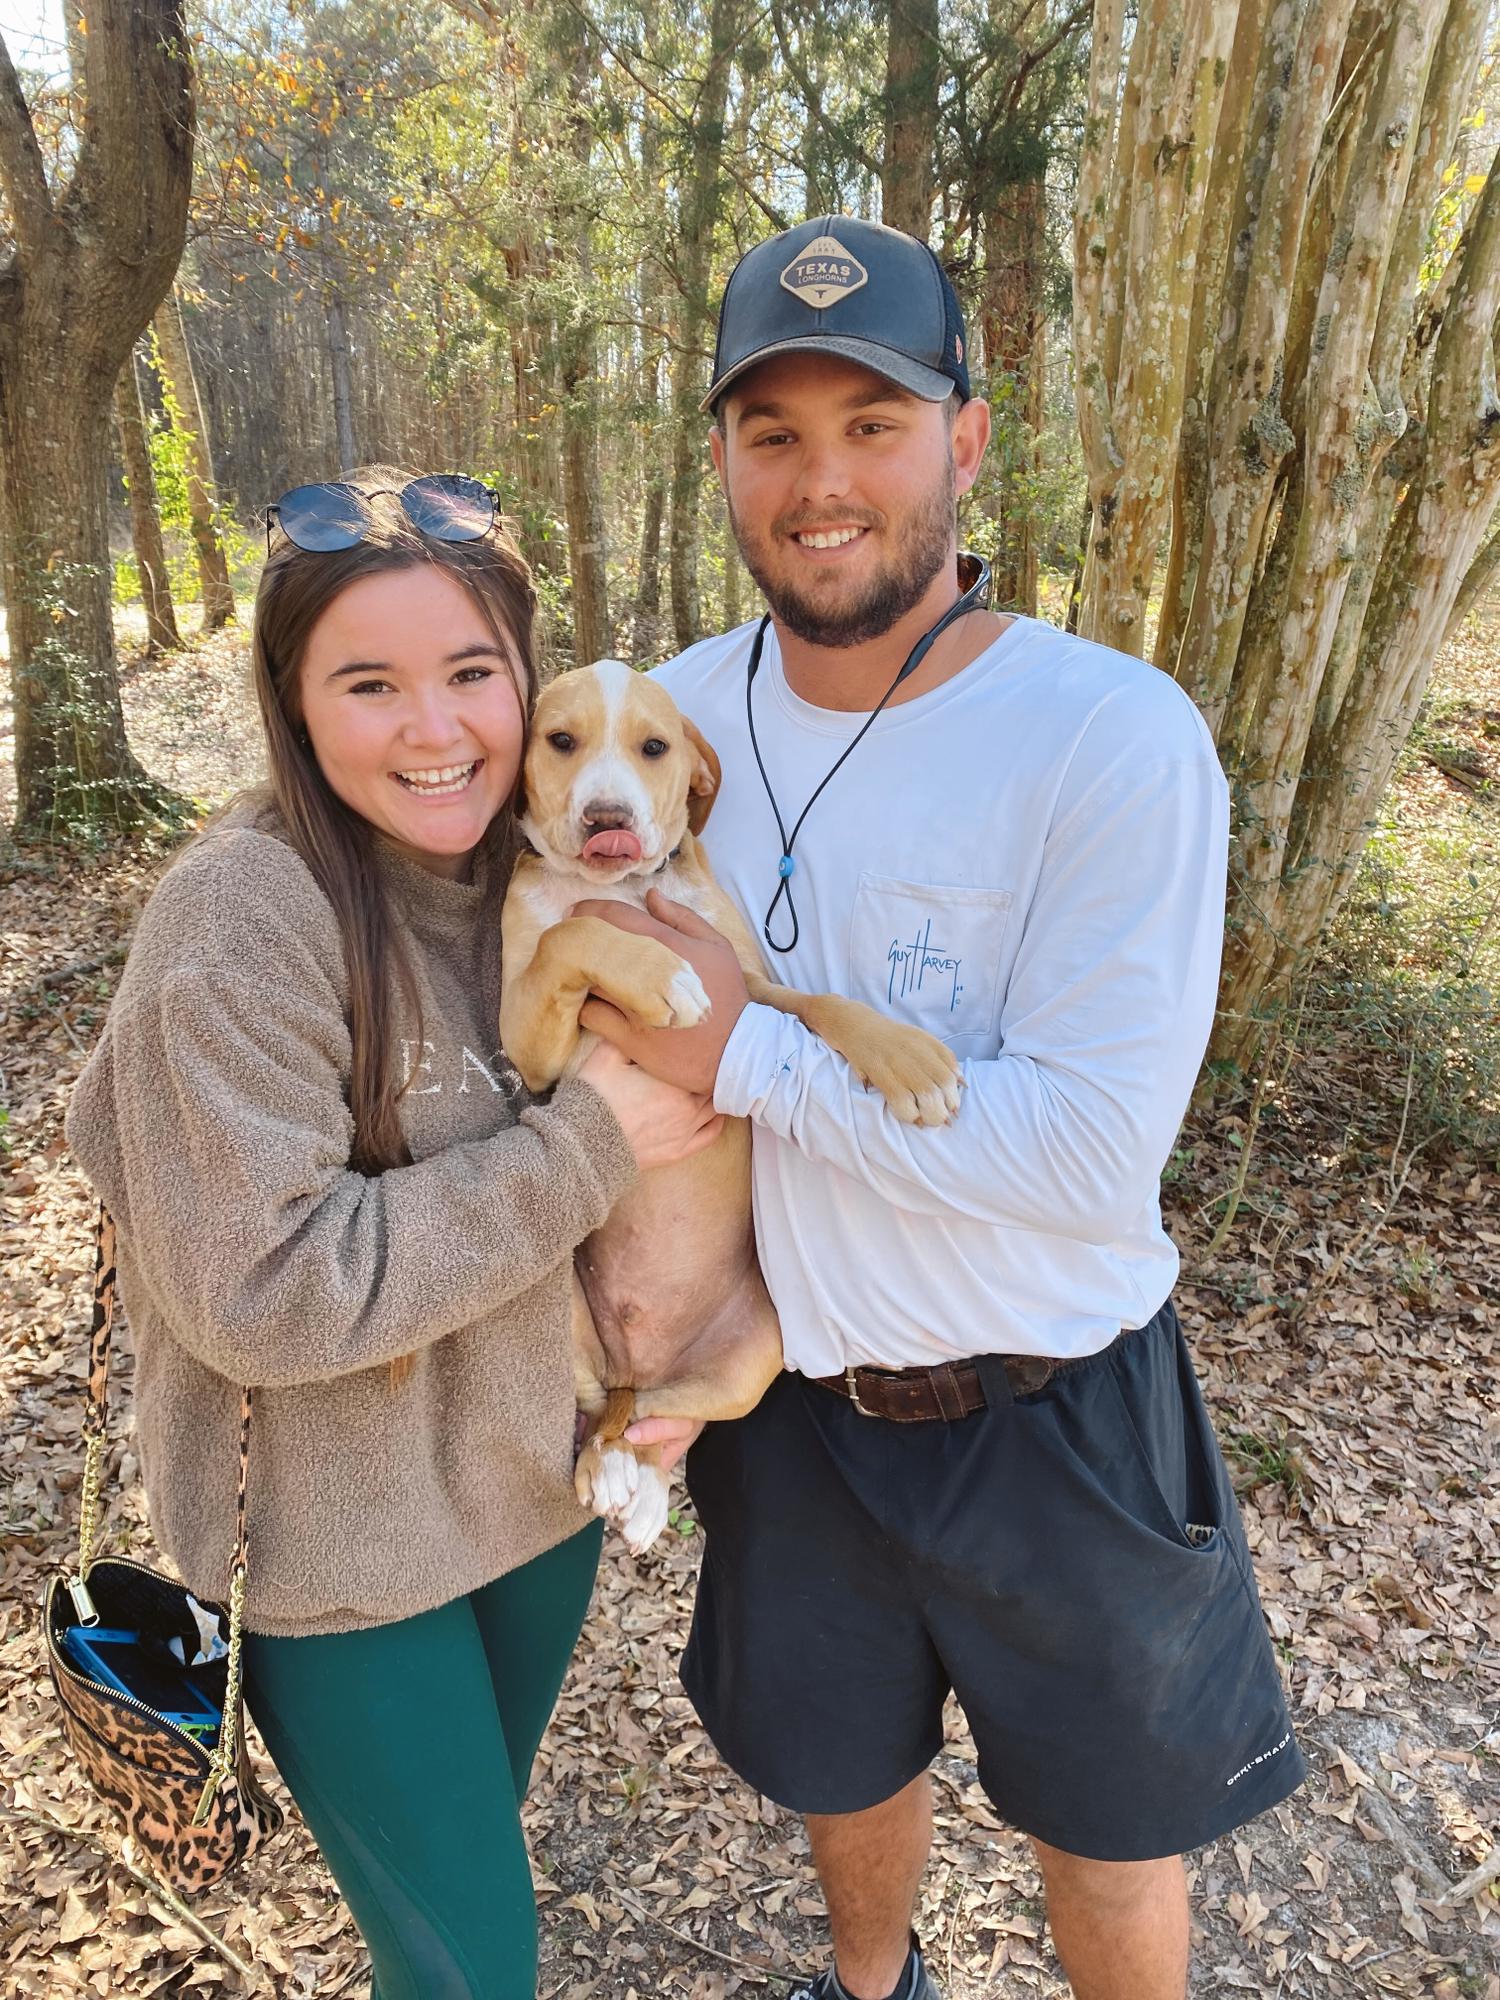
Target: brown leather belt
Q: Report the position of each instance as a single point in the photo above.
(949, 1391)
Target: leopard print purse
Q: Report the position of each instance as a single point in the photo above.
(195, 1809)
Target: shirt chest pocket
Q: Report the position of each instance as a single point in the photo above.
(931, 953)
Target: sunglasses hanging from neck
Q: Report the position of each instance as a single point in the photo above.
(974, 598)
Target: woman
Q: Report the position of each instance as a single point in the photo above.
(327, 1187)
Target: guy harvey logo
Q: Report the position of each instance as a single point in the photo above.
(824, 273)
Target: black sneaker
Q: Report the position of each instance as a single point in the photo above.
(916, 1983)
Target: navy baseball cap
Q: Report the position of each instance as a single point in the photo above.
(841, 286)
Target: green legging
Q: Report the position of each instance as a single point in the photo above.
(408, 1748)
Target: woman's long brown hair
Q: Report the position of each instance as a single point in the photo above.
(336, 843)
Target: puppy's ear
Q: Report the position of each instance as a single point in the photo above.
(704, 782)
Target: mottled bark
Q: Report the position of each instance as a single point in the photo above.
(912, 73)
(1246, 436)
(1014, 327)
(1141, 201)
(1337, 466)
(1475, 589)
(1222, 226)
(145, 519)
(85, 266)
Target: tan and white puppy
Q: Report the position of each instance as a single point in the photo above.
(671, 1316)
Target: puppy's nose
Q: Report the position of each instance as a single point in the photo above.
(604, 815)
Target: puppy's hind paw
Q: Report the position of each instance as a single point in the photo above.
(645, 1517)
(935, 1105)
(917, 1075)
(606, 1478)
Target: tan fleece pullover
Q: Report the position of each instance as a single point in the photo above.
(213, 1120)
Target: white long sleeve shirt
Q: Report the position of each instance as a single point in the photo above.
(1029, 862)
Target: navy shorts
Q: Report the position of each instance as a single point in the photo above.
(1070, 1563)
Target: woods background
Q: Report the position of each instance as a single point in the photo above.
(1232, 274)
(1232, 271)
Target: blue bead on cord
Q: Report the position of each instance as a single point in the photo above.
(974, 598)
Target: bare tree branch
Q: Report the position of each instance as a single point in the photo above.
(812, 98)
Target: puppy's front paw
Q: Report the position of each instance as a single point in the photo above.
(656, 988)
(687, 998)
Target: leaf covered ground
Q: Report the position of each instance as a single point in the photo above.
(1344, 1324)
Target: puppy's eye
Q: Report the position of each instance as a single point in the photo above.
(561, 740)
(653, 747)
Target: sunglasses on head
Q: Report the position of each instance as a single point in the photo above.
(333, 515)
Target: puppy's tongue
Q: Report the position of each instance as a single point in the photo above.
(614, 844)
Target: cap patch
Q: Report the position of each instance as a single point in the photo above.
(824, 273)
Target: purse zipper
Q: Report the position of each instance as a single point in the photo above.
(129, 1701)
(114, 1694)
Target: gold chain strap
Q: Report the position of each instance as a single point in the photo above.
(221, 1763)
(88, 1504)
(223, 1758)
(95, 1431)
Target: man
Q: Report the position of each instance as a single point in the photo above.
(988, 1467)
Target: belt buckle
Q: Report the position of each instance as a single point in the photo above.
(853, 1388)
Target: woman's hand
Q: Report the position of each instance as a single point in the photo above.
(685, 1056)
(661, 1122)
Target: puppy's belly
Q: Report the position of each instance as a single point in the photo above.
(671, 1278)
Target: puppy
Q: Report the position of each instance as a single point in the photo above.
(671, 1315)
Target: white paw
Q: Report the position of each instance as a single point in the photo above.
(687, 998)
(938, 1103)
(645, 1517)
(613, 1480)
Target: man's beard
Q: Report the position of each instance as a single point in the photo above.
(921, 551)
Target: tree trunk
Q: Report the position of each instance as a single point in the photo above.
(645, 637)
(912, 72)
(1140, 209)
(145, 520)
(342, 381)
(176, 362)
(583, 483)
(1475, 588)
(1318, 406)
(733, 614)
(88, 265)
(586, 554)
(528, 425)
(74, 768)
(702, 197)
(1015, 353)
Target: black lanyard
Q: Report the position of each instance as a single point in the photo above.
(973, 599)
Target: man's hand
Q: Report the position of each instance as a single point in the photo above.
(688, 1057)
(673, 1434)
